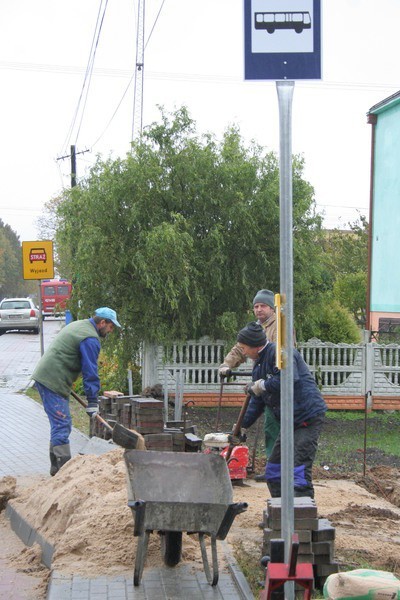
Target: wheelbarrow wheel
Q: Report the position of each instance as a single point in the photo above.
(171, 547)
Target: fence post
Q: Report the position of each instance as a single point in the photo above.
(369, 373)
(130, 383)
(179, 394)
(166, 407)
(149, 365)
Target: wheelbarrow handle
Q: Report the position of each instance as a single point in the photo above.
(84, 404)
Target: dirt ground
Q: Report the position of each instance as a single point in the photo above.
(83, 510)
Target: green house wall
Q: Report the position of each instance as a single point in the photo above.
(385, 259)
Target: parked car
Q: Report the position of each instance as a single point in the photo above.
(18, 313)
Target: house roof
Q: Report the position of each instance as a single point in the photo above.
(384, 104)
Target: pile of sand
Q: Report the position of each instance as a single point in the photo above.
(83, 513)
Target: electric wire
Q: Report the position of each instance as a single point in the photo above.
(91, 72)
(88, 74)
(154, 24)
(198, 77)
(131, 78)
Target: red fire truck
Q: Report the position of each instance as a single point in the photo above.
(55, 293)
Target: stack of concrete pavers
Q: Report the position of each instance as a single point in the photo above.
(323, 543)
(316, 536)
(178, 438)
(162, 442)
(147, 415)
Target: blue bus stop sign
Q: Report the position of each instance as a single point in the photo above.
(282, 39)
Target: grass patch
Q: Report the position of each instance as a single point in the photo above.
(345, 431)
(80, 420)
(250, 568)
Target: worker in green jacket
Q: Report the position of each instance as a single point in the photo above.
(73, 351)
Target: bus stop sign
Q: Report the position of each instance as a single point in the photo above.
(282, 39)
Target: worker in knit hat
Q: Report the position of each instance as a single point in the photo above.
(308, 408)
(264, 312)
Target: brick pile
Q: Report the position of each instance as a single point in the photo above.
(146, 416)
(316, 536)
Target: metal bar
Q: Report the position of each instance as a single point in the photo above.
(285, 91)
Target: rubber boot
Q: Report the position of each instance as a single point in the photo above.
(53, 461)
(62, 454)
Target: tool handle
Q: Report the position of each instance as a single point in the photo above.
(238, 425)
(231, 373)
(83, 403)
(244, 373)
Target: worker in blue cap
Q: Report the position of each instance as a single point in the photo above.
(74, 351)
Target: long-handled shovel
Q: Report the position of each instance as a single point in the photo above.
(122, 436)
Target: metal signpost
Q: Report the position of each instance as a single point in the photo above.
(38, 263)
(282, 41)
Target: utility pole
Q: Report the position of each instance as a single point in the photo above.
(73, 166)
(72, 156)
(137, 121)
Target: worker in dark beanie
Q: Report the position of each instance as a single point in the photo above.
(308, 408)
(264, 312)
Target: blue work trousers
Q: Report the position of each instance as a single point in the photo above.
(57, 410)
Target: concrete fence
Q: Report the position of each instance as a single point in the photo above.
(347, 374)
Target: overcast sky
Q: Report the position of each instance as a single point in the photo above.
(194, 57)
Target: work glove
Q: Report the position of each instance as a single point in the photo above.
(255, 387)
(92, 408)
(224, 371)
(236, 440)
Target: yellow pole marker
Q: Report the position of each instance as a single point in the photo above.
(281, 354)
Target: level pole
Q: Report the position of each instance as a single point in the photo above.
(40, 318)
(285, 91)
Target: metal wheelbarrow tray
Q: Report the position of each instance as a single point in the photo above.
(173, 492)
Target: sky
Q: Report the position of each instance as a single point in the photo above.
(194, 56)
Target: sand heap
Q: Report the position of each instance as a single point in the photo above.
(83, 513)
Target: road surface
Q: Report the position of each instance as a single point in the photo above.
(20, 352)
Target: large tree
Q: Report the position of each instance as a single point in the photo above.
(11, 276)
(180, 234)
(348, 256)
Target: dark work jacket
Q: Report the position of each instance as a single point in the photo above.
(307, 399)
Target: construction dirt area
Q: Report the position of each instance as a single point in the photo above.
(83, 513)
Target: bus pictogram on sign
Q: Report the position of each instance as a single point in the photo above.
(271, 21)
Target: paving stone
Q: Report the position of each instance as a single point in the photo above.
(324, 532)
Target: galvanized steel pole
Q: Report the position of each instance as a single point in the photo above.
(285, 91)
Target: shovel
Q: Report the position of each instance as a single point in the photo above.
(131, 440)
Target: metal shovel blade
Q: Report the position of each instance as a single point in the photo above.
(128, 439)
(131, 440)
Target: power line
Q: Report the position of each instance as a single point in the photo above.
(195, 77)
(88, 76)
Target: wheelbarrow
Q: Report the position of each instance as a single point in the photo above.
(173, 492)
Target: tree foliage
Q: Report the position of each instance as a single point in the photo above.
(348, 259)
(11, 275)
(338, 325)
(179, 235)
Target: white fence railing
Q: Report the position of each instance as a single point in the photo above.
(339, 369)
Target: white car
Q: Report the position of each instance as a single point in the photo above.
(20, 314)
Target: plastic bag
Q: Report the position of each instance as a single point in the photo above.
(362, 584)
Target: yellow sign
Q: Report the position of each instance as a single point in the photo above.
(37, 260)
(280, 359)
